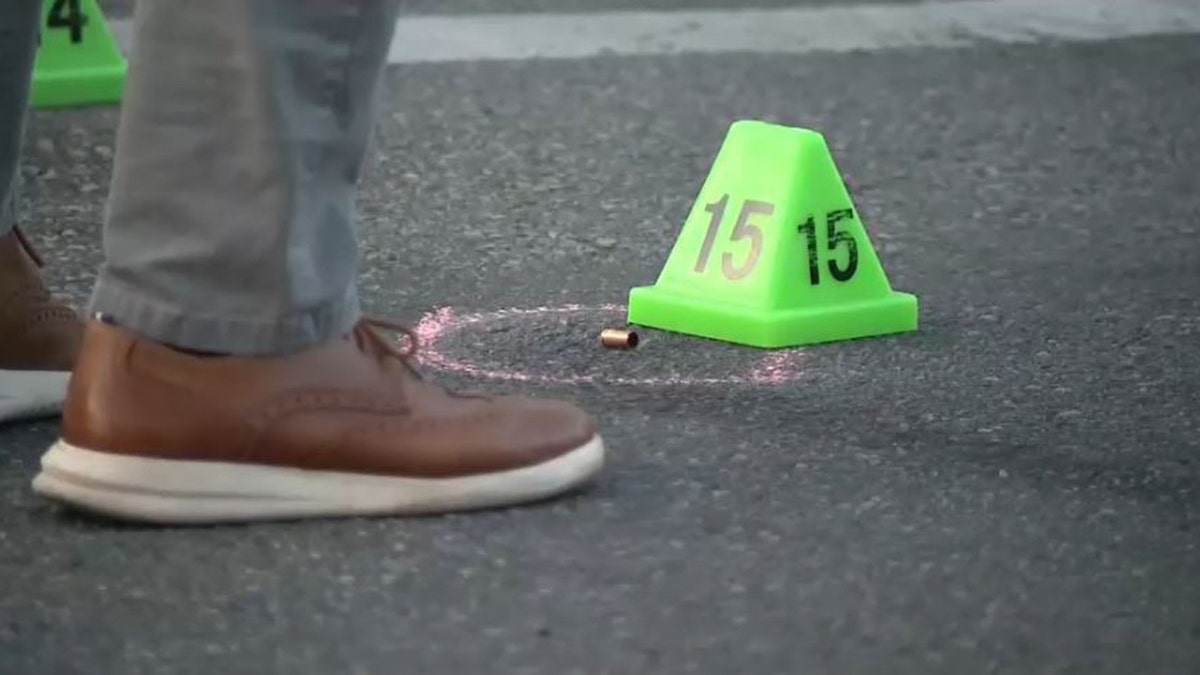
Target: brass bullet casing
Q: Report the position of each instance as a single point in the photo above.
(614, 338)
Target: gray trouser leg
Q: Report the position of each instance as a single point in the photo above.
(18, 48)
(230, 224)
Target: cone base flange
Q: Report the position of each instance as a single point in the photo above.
(84, 86)
(663, 309)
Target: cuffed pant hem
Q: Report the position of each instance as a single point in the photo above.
(236, 335)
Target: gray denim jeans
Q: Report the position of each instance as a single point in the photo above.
(230, 225)
(18, 47)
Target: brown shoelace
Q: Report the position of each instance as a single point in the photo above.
(367, 334)
(29, 250)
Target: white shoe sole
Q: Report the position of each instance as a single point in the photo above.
(192, 492)
(31, 394)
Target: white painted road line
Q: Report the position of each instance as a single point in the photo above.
(489, 37)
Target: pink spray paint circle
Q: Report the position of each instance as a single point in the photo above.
(463, 343)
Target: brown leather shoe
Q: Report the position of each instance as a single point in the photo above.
(39, 335)
(350, 428)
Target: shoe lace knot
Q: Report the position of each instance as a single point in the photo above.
(369, 334)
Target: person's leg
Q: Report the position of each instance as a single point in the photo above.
(18, 47)
(39, 335)
(231, 232)
(230, 224)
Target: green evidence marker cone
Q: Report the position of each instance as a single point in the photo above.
(78, 61)
(773, 253)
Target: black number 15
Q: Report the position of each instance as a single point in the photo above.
(834, 239)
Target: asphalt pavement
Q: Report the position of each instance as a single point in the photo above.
(1014, 488)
